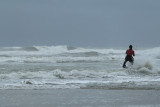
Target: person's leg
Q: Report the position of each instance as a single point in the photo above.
(126, 59)
(124, 64)
(131, 60)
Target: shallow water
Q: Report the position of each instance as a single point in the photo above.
(79, 98)
(45, 67)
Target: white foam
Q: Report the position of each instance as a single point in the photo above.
(74, 68)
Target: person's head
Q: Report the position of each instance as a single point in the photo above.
(130, 46)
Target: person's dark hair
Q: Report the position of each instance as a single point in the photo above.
(130, 46)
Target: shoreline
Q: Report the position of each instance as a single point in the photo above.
(78, 98)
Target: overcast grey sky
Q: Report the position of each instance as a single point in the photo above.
(100, 23)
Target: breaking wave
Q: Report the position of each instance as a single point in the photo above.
(29, 49)
(71, 48)
(76, 67)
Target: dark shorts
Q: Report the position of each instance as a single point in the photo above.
(129, 58)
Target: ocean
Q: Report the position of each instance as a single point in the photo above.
(66, 67)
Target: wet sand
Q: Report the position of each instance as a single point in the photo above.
(79, 98)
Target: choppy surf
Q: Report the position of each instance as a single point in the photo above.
(45, 67)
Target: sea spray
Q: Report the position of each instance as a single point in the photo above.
(144, 68)
(63, 66)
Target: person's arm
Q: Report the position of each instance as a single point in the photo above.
(133, 53)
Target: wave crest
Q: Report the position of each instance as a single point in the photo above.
(71, 48)
(29, 49)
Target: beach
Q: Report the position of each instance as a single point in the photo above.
(79, 98)
(64, 76)
(79, 53)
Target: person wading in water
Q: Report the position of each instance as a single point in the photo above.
(129, 56)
